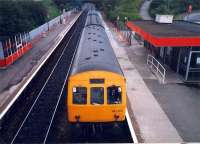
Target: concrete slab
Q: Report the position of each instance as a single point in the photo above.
(181, 104)
(153, 123)
(15, 76)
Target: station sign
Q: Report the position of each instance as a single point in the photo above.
(198, 60)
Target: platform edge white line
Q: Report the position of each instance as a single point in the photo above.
(133, 134)
(68, 72)
(36, 71)
(40, 92)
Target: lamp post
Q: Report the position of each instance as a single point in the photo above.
(168, 6)
(48, 21)
(125, 21)
(60, 17)
(117, 22)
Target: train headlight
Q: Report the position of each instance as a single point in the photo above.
(74, 89)
(119, 89)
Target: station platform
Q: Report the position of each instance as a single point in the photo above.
(150, 122)
(16, 75)
(139, 56)
(180, 101)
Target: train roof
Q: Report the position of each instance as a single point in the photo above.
(95, 52)
(93, 18)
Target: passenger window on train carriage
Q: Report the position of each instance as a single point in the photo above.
(80, 95)
(97, 95)
(114, 95)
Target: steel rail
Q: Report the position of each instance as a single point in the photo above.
(42, 89)
(61, 93)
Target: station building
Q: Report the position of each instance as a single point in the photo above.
(175, 45)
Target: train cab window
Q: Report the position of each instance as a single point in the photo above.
(79, 95)
(97, 95)
(114, 95)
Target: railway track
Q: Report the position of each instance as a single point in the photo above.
(29, 119)
(39, 114)
(63, 132)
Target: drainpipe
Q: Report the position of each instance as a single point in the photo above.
(179, 58)
(188, 65)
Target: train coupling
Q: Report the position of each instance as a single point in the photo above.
(116, 116)
(77, 117)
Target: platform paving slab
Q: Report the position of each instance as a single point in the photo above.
(14, 77)
(153, 123)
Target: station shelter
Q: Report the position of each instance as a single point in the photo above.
(176, 45)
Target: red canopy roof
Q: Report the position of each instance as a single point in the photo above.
(166, 35)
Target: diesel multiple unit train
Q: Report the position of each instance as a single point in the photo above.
(96, 85)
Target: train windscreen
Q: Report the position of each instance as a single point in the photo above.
(97, 95)
(114, 95)
(80, 95)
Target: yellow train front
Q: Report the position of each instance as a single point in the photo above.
(96, 86)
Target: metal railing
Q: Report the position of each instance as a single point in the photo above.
(157, 68)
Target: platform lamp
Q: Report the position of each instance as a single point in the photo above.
(48, 22)
(125, 21)
(168, 5)
(60, 17)
(117, 22)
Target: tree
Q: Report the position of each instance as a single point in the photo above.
(21, 16)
